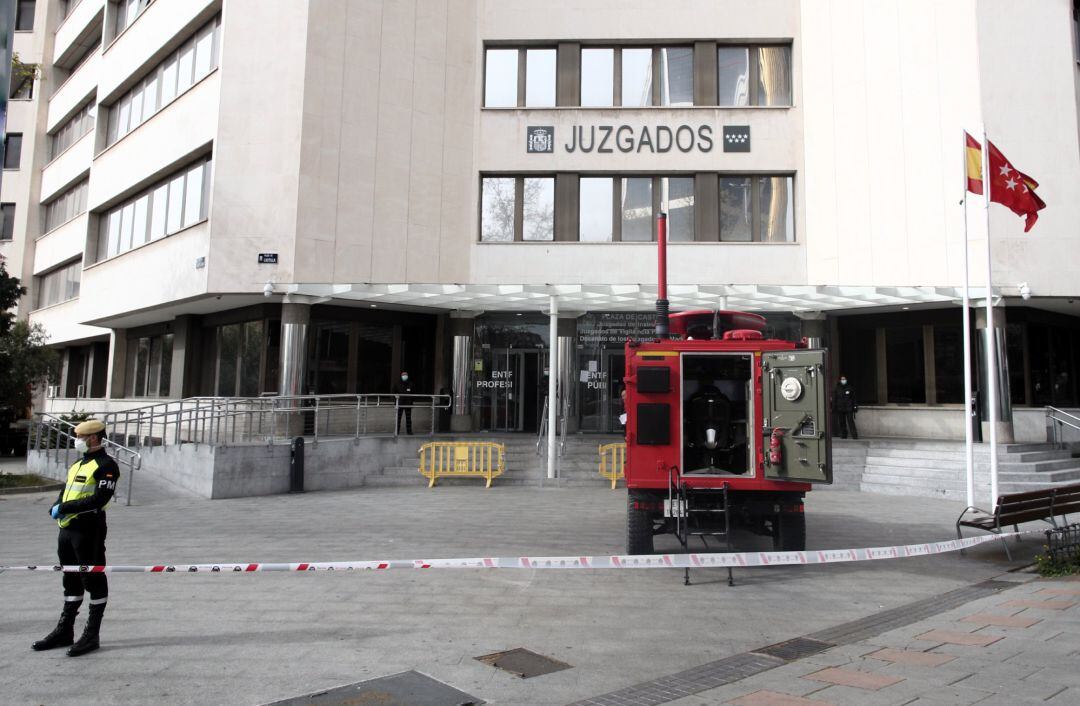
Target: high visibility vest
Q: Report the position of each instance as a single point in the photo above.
(80, 484)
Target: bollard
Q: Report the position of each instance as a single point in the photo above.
(296, 465)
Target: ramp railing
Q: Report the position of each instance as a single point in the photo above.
(55, 438)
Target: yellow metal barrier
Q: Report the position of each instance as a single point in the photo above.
(470, 459)
(613, 462)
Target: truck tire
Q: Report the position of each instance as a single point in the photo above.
(789, 532)
(639, 528)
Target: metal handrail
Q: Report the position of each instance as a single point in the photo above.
(62, 429)
(225, 420)
(1060, 418)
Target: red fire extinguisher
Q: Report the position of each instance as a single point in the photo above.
(775, 450)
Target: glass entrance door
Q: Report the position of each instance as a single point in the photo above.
(507, 373)
(599, 384)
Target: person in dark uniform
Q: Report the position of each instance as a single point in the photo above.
(404, 404)
(845, 407)
(80, 512)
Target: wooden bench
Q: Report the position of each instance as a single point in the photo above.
(1012, 509)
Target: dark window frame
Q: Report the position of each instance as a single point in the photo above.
(9, 139)
(22, 24)
(7, 228)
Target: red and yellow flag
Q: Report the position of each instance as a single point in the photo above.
(973, 163)
(1008, 186)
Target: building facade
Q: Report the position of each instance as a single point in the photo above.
(234, 198)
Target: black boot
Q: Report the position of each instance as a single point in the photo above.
(64, 634)
(89, 640)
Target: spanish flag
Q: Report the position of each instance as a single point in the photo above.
(973, 161)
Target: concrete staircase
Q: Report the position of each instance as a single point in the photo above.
(578, 465)
(937, 468)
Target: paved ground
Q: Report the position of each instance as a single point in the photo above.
(255, 638)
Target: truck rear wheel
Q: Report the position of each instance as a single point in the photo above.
(789, 532)
(639, 528)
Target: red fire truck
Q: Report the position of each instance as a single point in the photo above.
(725, 428)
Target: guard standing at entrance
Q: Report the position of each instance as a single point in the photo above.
(404, 404)
(80, 512)
(845, 407)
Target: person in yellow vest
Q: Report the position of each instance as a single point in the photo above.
(80, 512)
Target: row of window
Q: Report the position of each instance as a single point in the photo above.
(185, 67)
(73, 129)
(66, 206)
(750, 208)
(635, 76)
(59, 285)
(24, 15)
(127, 11)
(173, 204)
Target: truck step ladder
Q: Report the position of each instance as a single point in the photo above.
(690, 521)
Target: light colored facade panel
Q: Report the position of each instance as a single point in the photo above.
(883, 84)
(72, 94)
(75, 24)
(61, 244)
(152, 150)
(154, 274)
(638, 19)
(634, 263)
(256, 177)
(68, 167)
(142, 42)
(61, 321)
(1029, 73)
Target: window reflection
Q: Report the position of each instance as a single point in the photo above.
(595, 209)
(735, 209)
(539, 209)
(497, 210)
(733, 69)
(597, 77)
(540, 78)
(776, 214)
(676, 76)
(500, 78)
(637, 209)
(677, 197)
(774, 76)
(636, 77)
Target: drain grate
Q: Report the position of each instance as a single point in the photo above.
(795, 649)
(404, 689)
(523, 663)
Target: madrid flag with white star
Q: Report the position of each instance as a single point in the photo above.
(1008, 186)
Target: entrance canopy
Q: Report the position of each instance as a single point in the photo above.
(633, 297)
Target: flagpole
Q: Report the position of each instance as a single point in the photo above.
(969, 452)
(991, 338)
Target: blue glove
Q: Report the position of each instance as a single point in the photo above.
(55, 512)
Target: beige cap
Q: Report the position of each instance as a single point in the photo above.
(90, 426)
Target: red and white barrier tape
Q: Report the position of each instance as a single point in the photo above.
(642, 561)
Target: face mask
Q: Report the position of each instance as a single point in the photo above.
(81, 446)
(404, 378)
(843, 381)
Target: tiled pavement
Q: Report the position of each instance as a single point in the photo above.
(1018, 646)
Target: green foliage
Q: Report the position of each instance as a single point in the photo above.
(1047, 565)
(10, 292)
(21, 71)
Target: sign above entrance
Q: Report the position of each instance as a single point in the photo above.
(654, 139)
(612, 329)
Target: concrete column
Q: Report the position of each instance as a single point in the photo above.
(993, 338)
(566, 351)
(183, 353)
(295, 321)
(813, 330)
(114, 384)
(461, 330)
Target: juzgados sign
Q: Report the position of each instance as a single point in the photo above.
(657, 139)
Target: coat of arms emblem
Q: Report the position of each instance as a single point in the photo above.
(540, 138)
